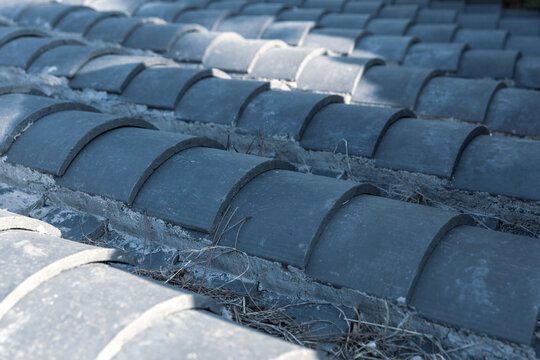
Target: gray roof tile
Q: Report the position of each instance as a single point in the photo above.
(284, 63)
(278, 202)
(483, 39)
(113, 72)
(163, 86)
(500, 165)
(18, 111)
(363, 7)
(527, 45)
(436, 16)
(249, 26)
(282, 113)
(440, 56)
(528, 72)
(464, 99)
(520, 26)
(264, 9)
(209, 18)
(379, 245)
(338, 40)
(117, 29)
(331, 5)
(12, 221)
(46, 14)
(514, 111)
(392, 85)
(433, 32)
(31, 259)
(51, 144)
(229, 99)
(159, 37)
(178, 188)
(496, 64)
(388, 47)
(426, 146)
(167, 11)
(345, 21)
(388, 26)
(22, 52)
(83, 20)
(400, 11)
(291, 32)
(301, 14)
(336, 74)
(238, 55)
(478, 21)
(117, 163)
(472, 279)
(67, 60)
(349, 129)
(194, 46)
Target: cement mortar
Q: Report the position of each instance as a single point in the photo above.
(270, 276)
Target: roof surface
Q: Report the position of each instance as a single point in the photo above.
(442, 92)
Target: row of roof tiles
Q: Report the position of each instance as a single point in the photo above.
(469, 16)
(59, 299)
(263, 27)
(499, 56)
(347, 6)
(457, 150)
(477, 101)
(355, 14)
(339, 232)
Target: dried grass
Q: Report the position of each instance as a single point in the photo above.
(363, 340)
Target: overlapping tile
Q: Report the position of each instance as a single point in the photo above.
(49, 14)
(113, 73)
(336, 74)
(284, 63)
(392, 85)
(440, 56)
(194, 46)
(262, 200)
(456, 98)
(473, 279)
(349, 129)
(82, 21)
(22, 52)
(379, 245)
(117, 163)
(249, 26)
(433, 33)
(158, 37)
(342, 41)
(500, 165)
(282, 113)
(228, 101)
(310, 202)
(167, 11)
(387, 47)
(496, 64)
(18, 111)
(177, 189)
(429, 147)
(163, 86)
(209, 18)
(12, 221)
(292, 32)
(67, 60)
(514, 111)
(51, 144)
(238, 55)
